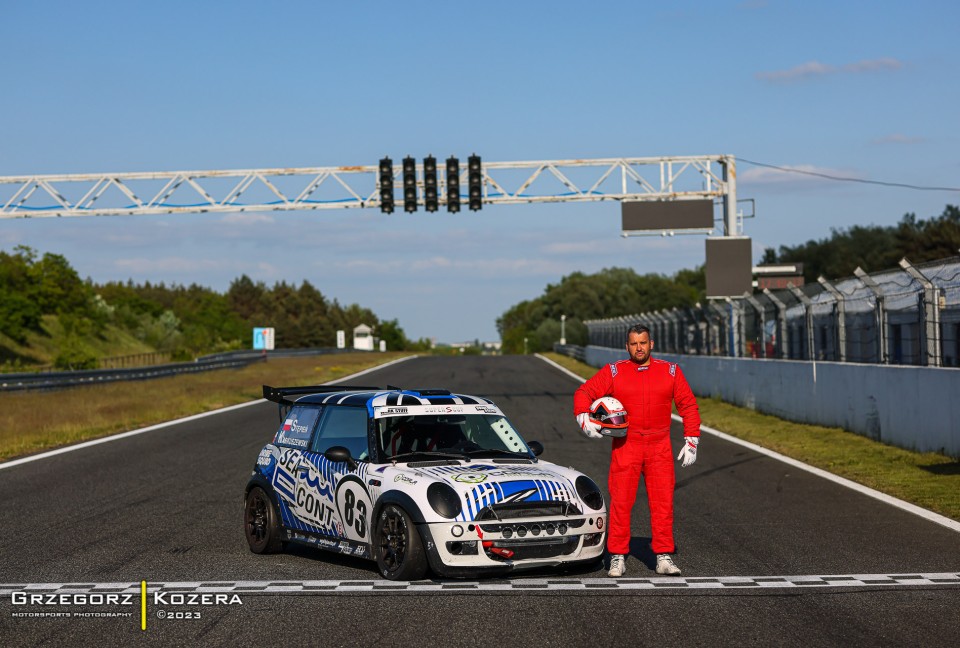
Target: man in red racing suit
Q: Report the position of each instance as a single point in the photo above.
(646, 387)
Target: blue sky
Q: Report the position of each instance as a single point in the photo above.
(860, 89)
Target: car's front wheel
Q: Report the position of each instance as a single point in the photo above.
(400, 553)
(260, 523)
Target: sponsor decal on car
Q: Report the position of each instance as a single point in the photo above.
(291, 425)
(390, 411)
(291, 440)
(422, 410)
(470, 478)
(314, 509)
(404, 478)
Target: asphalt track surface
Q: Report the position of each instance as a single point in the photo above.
(165, 507)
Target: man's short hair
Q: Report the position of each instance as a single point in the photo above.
(638, 329)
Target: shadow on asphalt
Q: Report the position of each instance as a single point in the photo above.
(319, 555)
(369, 567)
(640, 549)
(692, 478)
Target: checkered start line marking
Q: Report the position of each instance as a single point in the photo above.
(322, 587)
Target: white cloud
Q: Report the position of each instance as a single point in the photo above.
(872, 65)
(170, 265)
(802, 71)
(812, 69)
(445, 267)
(10, 238)
(800, 175)
(247, 218)
(897, 138)
(577, 247)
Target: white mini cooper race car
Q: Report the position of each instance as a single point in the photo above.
(413, 479)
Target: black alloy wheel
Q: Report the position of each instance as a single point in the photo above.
(260, 523)
(399, 550)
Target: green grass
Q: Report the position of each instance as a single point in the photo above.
(35, 421)
(41, 348)
(926, 479)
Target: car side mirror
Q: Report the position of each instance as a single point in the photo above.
(536, 448)
(340, 454)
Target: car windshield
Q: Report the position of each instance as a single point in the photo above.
(475, 435)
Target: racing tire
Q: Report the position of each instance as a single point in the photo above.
(260, 523)
(399, 549)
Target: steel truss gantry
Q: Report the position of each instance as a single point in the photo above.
(288, 189)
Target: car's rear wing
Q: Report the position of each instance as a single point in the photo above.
(280, 394)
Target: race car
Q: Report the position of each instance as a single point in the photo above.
(416, 480)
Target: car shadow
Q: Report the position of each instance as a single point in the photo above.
(340, 560)
(364, 565)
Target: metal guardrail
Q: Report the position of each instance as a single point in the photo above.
(230, 360)
(63, 379)
(571, 350)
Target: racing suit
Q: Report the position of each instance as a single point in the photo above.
(646, 392)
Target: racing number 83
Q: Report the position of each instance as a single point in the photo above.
(353, 504)
(349, 503)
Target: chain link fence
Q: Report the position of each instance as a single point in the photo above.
(905, 316)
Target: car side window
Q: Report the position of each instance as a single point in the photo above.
(343, 426)
(297, 426)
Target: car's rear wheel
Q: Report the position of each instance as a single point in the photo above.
(400, 553)
(260, 523)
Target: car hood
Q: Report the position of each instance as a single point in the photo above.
(482, 483)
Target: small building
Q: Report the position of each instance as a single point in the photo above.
(363, 338)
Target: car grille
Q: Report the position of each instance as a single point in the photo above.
(519, 510)
(546, 548)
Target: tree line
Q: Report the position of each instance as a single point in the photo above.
(873, 247)
(535, 325)
(185, 321)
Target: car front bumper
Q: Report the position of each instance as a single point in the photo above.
(496, 546)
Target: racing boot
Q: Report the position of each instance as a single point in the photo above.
(665, 565)
(618, 566)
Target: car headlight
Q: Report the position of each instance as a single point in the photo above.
(444, 500)
(589, 492)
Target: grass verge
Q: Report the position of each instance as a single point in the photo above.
(926, 479)
(35, 421)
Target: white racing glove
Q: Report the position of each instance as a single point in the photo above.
(591, 429)
(689, 452)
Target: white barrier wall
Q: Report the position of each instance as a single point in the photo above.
(917, 408)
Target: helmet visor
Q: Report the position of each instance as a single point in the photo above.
(617, 419)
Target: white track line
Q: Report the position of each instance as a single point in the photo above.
(159, 426)
(860, 488)
(183, 589)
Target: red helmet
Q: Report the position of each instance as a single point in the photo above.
(611, 416)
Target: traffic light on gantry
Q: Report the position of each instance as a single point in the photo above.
(475, 182)
(409, 184)
(430, 199)
(386, 186)
(453, 185)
